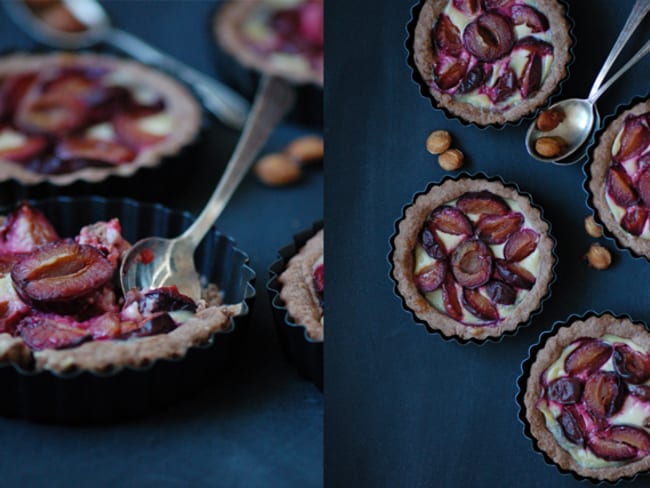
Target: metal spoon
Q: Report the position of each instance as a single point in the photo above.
(154, 262)
(581, 115)
(224, 103)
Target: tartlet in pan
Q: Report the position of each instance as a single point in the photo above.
(472, 258)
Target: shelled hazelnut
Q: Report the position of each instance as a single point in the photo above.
(599, 257)
(451, 159)
(306, 149)
(277, 170)
(592, 228)
(550, 119)
(438, 142)
(549, 147)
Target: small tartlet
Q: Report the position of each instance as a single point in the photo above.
(456, 297)
(548, 362)
(617, 177)
(546, 39)
(182, 114)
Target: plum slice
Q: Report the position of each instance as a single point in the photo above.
(620, 188)
(51, 115)
(432, 244)
(643, 186)
(43, 332)
(473, 79)
(531, 79)
(566, 390)
(501, 293)
(12, 91)
(450, 220)
(479, 305)
(311, 22)
(520, 245)
(534, 46)
(588, 357)
(573, 425)
(504, 87)
(619, 443)
(59, 272)
(471, 263)
(28, 149)
(604, 393)
(450, 298)
(496, 229)
(514, 274)
(635, 138)
(482, 203)
(25, 229)
(318, 277)
(130, 132)
(634, 220)
(86, 148)
(469, 7)
(160, 323)
(631, 365)
(446, 37)
(431, 277)
(449, 71)
(533, 18)
(489, 37)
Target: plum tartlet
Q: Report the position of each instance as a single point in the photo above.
(588, 398)
(472, 258)
(491, 61)
(61, 308)
(65, 117)
(619, 180)
(277, 37)
(303, 286)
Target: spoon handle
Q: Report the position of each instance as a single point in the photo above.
(224, 103)
(272, 101)
(639, 11)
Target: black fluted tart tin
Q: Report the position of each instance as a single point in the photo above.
(305, 353)
(126, 392)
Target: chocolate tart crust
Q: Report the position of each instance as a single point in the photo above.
(180, 105)
(601, 161)
(227, 30)
(298, 291)
(596, 327)
(423, 58)
(406, 239)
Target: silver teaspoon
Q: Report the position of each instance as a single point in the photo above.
(224, 103)
(154, 262)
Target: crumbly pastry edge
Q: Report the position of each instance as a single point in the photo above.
(105, 356)
(181, 106)
(408, 230)
(600, 163)
(226, 30)
(595, 326)
(423, 58)
(298, 293)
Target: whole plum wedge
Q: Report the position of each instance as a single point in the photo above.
(514, 275)
(588, 357)
(501, 293)
(431, 277)
(634, 219)
(604, 393)
(520, 245)
(620, 443)
(446, 37)
(432, 244)
(479, 305)
(449, 220)
(566, 390)
(573, 425)
(533, 18)
(482, 203)
(620, 187)
(471, 263)
(450, 298)
(50, 332)
(59, 272)
(631, 365)
(635, 138)
(25, 229)
(496, 229)
(159, 323)
(489, 37)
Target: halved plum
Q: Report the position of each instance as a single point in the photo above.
(482, 203)
(573, 425)
(496, 229)
(604, 393)
(86, 148)
(446, 37)
(432, 244)
(479, 305)
(501, 293)
(25, 229)
(431, 277)
(44, 332)
(588, 357)
(51, 115)
(471, 263)
(631, 365)
(489, 37)
(635, 138)
(634, 219)
(450, 298)
(514, 274)
(620, 187)
(620, 443)
(533, 18)
(520, 245)
(449, 220)
(566, 390)
(60, 271)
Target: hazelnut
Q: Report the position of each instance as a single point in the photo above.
(438, 141)
(549, 147)
(599, 257)
(277, 170)
(306, 149)
(550, 119)
(451, 160)
(592, 228)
